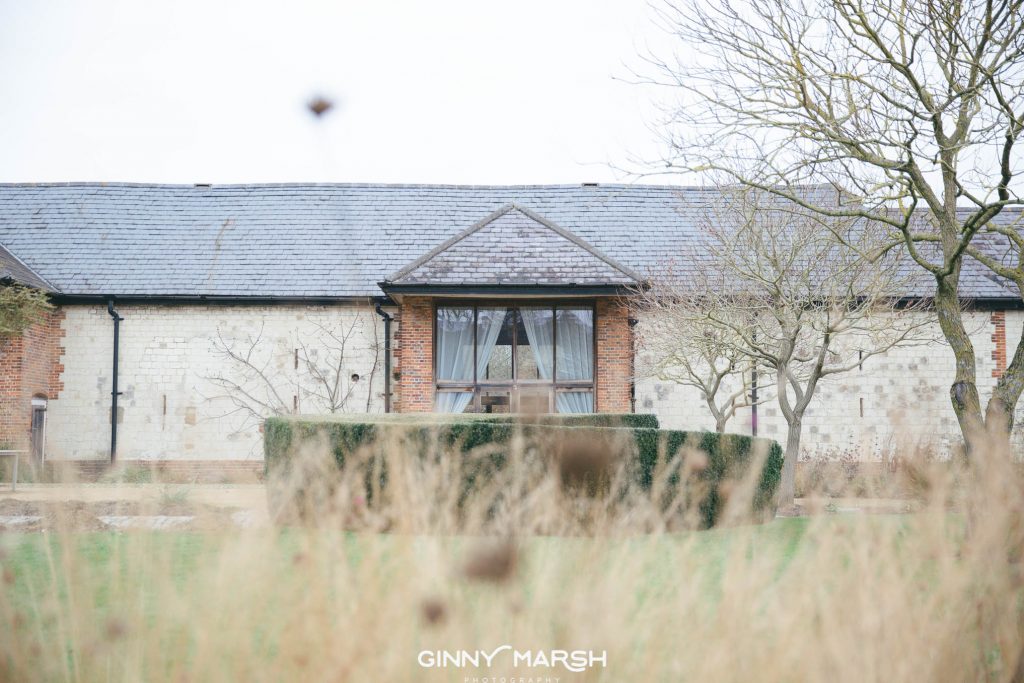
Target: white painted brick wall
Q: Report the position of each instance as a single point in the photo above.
(168, 354)
(905, 395)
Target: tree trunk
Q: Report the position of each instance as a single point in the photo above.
(964, 391)
(787, 487)
(721, 416)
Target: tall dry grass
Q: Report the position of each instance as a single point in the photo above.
(552, 555)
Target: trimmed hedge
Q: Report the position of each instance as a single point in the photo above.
(727, 454)
(349, 431)
(633, 420)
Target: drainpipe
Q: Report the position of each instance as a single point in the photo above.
(753, 400)
(114, 393)
(632, 363)
(753, 390)
(387, 356)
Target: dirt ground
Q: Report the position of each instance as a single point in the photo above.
(213, 507)
(52, 507)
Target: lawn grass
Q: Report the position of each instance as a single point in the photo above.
(535, 563)
(108, 560)
(315, 604)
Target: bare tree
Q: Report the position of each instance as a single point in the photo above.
(678, 347)
(910, 110)
(260, 377)
(773, 285)
(326, 359)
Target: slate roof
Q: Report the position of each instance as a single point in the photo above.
(976, 280)
(13, 270)
(515, 246)
(311, 240)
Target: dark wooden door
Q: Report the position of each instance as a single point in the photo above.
(38, 432)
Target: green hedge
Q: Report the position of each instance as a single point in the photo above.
(637, 420)
(727, 454)
(348, 431)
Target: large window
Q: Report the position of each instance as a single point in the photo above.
(523, 358)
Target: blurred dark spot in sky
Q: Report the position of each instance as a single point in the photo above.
(320, 105)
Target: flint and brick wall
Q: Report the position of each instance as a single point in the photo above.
(173, 406)
(174, 411)
(894, 400)
(30, 366)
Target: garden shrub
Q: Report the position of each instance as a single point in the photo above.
(483, 443)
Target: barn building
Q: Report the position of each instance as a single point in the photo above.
(231, 302)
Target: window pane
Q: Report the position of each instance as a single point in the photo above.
(575, 328)
(536, 335)
(494, 344)
(574, 401)
(455, 344)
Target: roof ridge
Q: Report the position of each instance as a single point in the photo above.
(301, 184)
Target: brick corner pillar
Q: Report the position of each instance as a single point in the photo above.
(30, 366)
(414, 356)
(999, 339)
(614, 338)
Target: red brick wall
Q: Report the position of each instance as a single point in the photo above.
(614, 357)
(999, 337)
(30, 365)
(413, 356)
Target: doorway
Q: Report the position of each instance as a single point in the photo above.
(38, 438)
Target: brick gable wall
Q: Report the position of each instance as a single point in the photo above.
(614, 357)
(30, 365)
(999, 340)
(413, 356)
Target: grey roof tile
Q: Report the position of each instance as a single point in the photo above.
(335, 240)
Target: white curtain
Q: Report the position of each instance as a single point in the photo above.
(453, 401)
(489, 322)
(574, 401)
(540, 330)
(575, 352)
(454, 356)
(575, 358)
(455, 351)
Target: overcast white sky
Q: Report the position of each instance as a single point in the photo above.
(452, 91)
